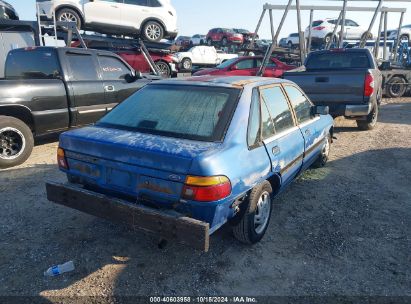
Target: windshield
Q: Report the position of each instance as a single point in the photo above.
(337, 60)
(227, 63)
(190, 112)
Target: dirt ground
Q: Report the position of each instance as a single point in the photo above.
(340, 230)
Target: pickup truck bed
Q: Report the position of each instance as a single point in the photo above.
(348, 81)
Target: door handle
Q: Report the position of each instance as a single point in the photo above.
(109, 88)
(307, 132)
(276, 150)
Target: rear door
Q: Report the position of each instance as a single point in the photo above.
(308, 123)
(116, 88)
(134, 12)
(282, 138)
(105, 12)
(272, 70)
(87, 100)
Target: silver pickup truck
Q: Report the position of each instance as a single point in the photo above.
(346, 80)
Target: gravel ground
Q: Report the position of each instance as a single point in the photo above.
(340, 230)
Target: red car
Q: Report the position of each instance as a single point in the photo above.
(224, 36)
(247, 66)
(166, 63)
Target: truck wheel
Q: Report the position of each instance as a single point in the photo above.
(69, 15)
(153, 31)
(396, 87)
(371, 120)
(164, 69)
(325, 153)
(16, 142)
(187, 64)
(254, 221)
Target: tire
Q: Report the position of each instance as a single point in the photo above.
(201, 42)
(164, 69)
(16, 142)
(327, 39)
(186, 64)
(153, 31)
(396, 87)
(258, 206)
(290, 45)
(366, 35)
(69, 15)
(371, 121)
(325, 153)
(224, 41)
(209, 42)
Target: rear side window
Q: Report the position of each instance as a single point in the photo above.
(317, 23)
(190, 112)
(338, 60)
(279, 108)
(82, 66)
(245, 64)
(35, 64)
(302, 106)
(112, 68)
(254, 123)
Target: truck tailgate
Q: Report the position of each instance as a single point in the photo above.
(331, 87)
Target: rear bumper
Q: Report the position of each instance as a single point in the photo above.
(166, 224)
(349, 110)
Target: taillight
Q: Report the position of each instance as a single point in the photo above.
(369, 85)
(61, 159)
(206, 189)
(318, 28)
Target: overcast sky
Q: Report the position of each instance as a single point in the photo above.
(198, 16)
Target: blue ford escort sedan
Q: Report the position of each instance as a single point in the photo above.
(181, 158)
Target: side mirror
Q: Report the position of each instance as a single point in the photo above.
(321, 110)
(130, 78)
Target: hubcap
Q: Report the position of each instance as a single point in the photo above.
(262, 212)
(68, 17)
(326, 149)
(163, 69)
(186, 64)
(12, 143)
(153, 32)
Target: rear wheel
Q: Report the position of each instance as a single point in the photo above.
(396, 87)
(164, 69)
(327, 39)
(153, 31)
(255, 218)
(366, 36)
(16, 142)
(370, 121)
(69, 15)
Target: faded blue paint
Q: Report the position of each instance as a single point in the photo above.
(155, 167)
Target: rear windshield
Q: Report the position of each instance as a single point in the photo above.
(190, 112)
(32, 64)
(317, 23)
(337, 60)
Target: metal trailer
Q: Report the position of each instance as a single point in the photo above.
(305, 48)
(16, 34)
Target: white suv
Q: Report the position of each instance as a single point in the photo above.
(152, 19)
(321, 30)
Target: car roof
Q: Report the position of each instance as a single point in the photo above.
(222, 81)
(73, 49)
